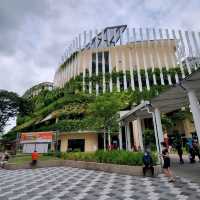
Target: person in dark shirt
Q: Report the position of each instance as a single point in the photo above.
(196, 149)
(148, 163)
(167, 163)
(180, 152)
(191, 154)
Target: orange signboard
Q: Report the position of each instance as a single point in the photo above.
(33, 137)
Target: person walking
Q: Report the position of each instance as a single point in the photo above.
(196, 149)
(167, 163)
(35, 156)
(191, 153)
(180, 152)
(4, 159)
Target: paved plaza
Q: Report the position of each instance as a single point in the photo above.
(61, 183)
(188, 170)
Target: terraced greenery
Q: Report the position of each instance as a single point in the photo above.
(68, 107)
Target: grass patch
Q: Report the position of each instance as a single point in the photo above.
(26, 159)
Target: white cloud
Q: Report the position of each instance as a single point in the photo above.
(34, 34)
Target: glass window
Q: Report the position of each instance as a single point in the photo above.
(100, 62)
(106, 56)
(93, 63)
(76, 145)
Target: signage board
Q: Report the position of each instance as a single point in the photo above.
(36, 137)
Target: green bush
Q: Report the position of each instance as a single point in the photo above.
(114, 157)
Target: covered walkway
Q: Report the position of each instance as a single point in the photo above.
(184, 94)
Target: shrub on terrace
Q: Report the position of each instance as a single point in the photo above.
(114, 157)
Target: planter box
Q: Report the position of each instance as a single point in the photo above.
(112, 168)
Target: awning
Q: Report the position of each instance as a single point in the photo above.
(138, 111)
(176, 96)
(172, 99)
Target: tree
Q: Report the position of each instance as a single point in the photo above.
(104, 112)
(11, 105)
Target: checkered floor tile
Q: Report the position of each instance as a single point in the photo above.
(60, 183)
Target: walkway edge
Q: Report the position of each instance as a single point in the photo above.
(106, 167)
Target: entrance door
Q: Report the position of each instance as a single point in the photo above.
(76, 145)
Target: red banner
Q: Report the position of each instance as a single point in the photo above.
(33, 137)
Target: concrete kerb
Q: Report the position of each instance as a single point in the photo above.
(112, 168)
(40, 164)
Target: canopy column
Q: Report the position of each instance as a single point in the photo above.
(120, 137)
(159, 124)
(127, 135)
(195, 108)
(137, 134)
(140, 131)
(109, 139)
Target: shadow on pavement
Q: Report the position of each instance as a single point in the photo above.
(186, 170)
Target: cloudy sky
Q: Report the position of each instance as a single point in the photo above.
(34, 33)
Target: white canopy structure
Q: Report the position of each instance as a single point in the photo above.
(184, 94)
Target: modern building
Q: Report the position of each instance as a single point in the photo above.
(121, 58)
(36, 89)
(133, 52)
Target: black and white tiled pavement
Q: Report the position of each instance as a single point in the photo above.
(60, 183)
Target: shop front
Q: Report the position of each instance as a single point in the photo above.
(81, 141)
(39, 141)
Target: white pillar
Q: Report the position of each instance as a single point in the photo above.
(158, 145)
(144, 60)
(196, 46)
(137, 61)
(109, 62)
(190, 48)
(195, 108)
(104, 140)
(159, 125)
(166, 64)
(184, 51)
(103, 60)
(103, 72)
(151, 56)
(124, 70)
(109, 138)
(97, 73)
(120, 137)
(79, 46)
(90, 72)
(178, 54)
(140, 131)
(110, 70)
(128, 138)
(83, 60)
(172, 55)
(84, 63)
(116, 62)
(158, 57)
(131, 69)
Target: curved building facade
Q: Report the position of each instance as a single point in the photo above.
(125, 58)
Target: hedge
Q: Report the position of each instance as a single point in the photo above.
(113, 157)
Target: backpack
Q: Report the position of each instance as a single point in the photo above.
(147, 160)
